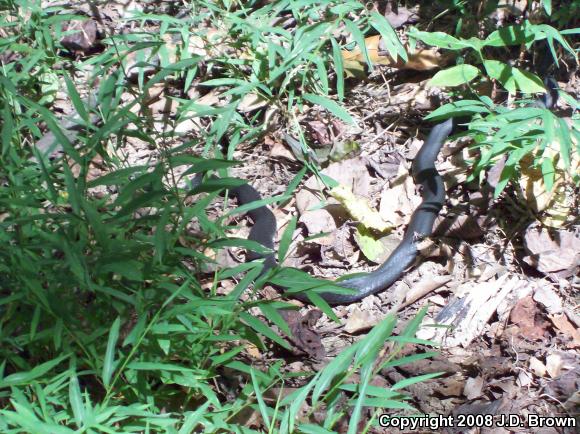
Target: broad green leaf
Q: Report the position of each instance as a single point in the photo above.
(547, 6)
(454, 76)
(513, 78)
(338, 366)
(76, 98)
(509, 35)
(369, 245)
(76, 401)
(374, 341)
(308, 428)
(193, 418)
(408, 359)
(258, 392)
(273, 315)
(548, 173)
(252, 245)
(458, 108)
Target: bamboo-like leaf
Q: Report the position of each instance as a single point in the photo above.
(331, 106)
(109, 360)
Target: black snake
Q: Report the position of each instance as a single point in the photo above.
(420, 226)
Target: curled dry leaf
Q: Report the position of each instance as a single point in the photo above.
(551, 253)
(548, 298)
(554, 365)
(473, 387)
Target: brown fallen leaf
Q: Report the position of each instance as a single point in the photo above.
(359, 321)
(420, 59)
(558, 251)
(528, 319)
(561, 322)
(81, 37)
(304, 337)
(473, 387)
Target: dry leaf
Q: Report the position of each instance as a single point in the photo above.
(554, 365)
(527, 317)
(420, 60)
(360, 209)
(473, 387)
(558, 203)
(557, 253)
(562, 323)
(537, 367)
(359, 321)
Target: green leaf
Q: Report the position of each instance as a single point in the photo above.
(513, 78)
(308, 428)
(374, 341)
(389, 36)
(548, 173)
(338, 366)
(338, 69)
(408, 359)
(360, 41)
(263, 329)
(273, 315)
(331, 106)
(261, 404)
(565, 141)
(76, 401)
(252, 245)
(286, 239)
(467, 107)
(7, 129)
(109, 360)
(27, 377)
(414, 380)
(76, 98)
(454, 76)
(547, 6)
(510, 35)
(441, 39)
(193, 418)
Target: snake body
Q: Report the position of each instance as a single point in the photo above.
(420, 226)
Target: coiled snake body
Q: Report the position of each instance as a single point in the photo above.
(420, 226)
